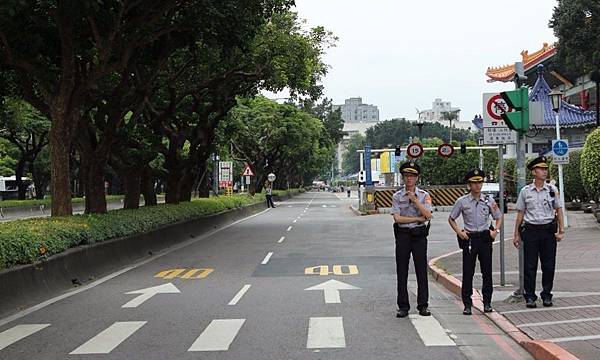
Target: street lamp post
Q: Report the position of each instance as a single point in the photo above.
(556, 98)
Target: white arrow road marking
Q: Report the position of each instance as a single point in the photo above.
(326, 332)
(107, 340)
(19, 332)
(218, 335)
(239, 295)
(148, 293)
(331, 290)
(430, 331)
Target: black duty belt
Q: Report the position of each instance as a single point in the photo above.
(547, 226)
(478, 234)
(422, 230)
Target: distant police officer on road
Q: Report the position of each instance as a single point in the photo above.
(539, 225)
(411, 208)
(476, 238)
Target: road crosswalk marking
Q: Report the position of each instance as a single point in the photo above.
(430, 331)
(218, 335)
(107, 340)
(326, 332)
(19, 332)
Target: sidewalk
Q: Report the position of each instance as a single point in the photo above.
(574, 321)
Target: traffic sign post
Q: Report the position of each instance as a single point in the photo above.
(414, 150)
(445, 150)
(495, 130)
(560, 151)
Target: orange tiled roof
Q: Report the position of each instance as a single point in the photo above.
(506, 73)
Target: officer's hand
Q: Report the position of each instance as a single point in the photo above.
(464, 234)
(559, 236)
(517, 241)
(413, 197)
(493, 234)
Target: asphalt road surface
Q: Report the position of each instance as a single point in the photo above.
(306, 280)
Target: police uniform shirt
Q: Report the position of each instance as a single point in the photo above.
(538, 206)
(475, 212)
(402, 205)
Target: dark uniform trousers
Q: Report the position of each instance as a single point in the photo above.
(539, 241)
(481, 247)
(411, 241)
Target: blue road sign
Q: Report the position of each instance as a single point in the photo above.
(560, 148)
(367, 165)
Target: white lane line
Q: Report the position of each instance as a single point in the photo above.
(266, 259)
(325, 332)
(19, 332)
(239, 295)
(295, 220)
(281, 240)
(554, 308)
(158, 255)
(430, 331)
(290, 228)
(558, 322)
(107, 340)
(218, 335)
(574, 338)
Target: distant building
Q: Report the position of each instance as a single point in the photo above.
(354, 111)
(436, 114)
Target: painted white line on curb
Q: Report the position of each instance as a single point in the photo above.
(266, 259)
(239, 295)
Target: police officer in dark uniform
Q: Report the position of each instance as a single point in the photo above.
(411, 209)
(476, 238)
(540, 226)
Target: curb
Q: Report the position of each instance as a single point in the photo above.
(539, 349)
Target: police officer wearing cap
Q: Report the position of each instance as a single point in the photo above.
(539, 226)
(476, 238)
(411, 209)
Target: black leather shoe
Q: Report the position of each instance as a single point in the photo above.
(531, 304)
(487, 308)
(402, 313)
(467, 310)
(547, 303)
(424, 312)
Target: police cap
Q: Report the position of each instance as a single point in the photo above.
(538, 162)
(475, 176)
(410, 168)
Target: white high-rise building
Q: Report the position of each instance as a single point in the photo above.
(435, 114)
(354, 110)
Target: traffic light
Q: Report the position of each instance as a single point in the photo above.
(517, 120)
(463, 148)
(398, 152)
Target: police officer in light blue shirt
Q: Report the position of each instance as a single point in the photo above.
(539, 226)
(411, 209)
(476, 237)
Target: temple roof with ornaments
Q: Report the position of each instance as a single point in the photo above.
(507, 73)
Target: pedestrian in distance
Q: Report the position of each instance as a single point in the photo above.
(269, 193)
(539, 226)
(476, 238)
(411, 209)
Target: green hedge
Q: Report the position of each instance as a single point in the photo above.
(590, 165)
(32, 240)
(572, 177)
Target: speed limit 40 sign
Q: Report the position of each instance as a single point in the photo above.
(414, 150)
(445, 150)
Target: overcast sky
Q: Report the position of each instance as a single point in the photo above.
(400, 54)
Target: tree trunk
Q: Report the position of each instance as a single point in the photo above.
(21, 189)
(173, 185)
(93, 175)
(60, 170)
(147, 184)
(186, 186)
(132, 182)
